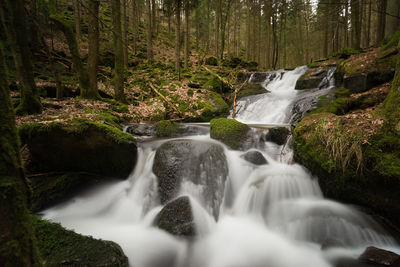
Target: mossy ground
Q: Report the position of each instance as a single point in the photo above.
(229, 131)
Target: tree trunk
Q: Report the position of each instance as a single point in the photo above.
(380, 30)
(217, 26)
(93, 40)
(392, 18)
(17, 239)
(124, 25)
(14, 23)
(73, 48)
(178, 38)
(149, 33)
(77, 18)
(187, 34)
(154, 18)
(118, 54)
(134, 25)
(355, 24)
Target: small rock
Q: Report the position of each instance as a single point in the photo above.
(277, 135)
(255, 157)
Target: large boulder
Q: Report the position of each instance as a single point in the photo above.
(61, 247)
(373, 255)
(198, 162)
(79, 146)
(177, 218)
(365, 174)
(230, 132)
(311, 79)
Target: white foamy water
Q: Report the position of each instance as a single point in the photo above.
(271, 215)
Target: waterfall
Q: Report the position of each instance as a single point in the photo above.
(269, 215)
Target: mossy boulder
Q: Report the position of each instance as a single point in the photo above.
(213, 61)
(198, 162)
(364, 172)
(252, 88)
(176, 217)
(215, 106)
(277, 135)
(61, 247)
(79, 146)
(166, 129)
(216, 85)
(230, 132)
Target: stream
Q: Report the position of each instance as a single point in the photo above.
(271, 215)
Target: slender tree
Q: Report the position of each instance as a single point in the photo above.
(124, 31)
(355, 24)
(149, 33)
(187, 33)
(178, 5)
(118, 78)
(77, 18)
(13, 17)
(93, 40)
(392, 18)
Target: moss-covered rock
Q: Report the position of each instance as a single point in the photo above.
(252, 88)
(216, 85)
(214, 107)
(350, 169)
(230, 132)
(213, 61)
(177, 218)
(61, 247)
(166, 129)
(79, 145)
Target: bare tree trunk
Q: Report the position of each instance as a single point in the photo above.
(149, 33)
(355, 24)
(187, 34)
(77, 18)
(217, 26)
(392, 18)
(124, 31)
(93, 40)
(119, 54)
(178, 38)
(380, 30)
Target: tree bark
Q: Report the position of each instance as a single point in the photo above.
(118, 78)
(13, 17)
(355, 24)
(134, 25)
(187, 33)
(178, 38)
(380, 30)
(77, 18)
(93, 40)
(392, 18)
(17, 239)
(124, 25)
(149, 33)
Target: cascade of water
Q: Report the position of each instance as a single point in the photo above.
(267, 211)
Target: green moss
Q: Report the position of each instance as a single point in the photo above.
(59, 246)
(213, 61)
(394, 41)
(217, 85)
(110, 119)
(214, 107)
(278, 135)
(229, 131)
(166, 128)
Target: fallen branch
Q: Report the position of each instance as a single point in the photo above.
(165, 99)
(235, 97)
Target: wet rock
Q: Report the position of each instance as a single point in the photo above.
(356, 83)
(198, 162)
(255, 157)
(177, 218)
(79, 146)
(259, 77)
(230, 132)
(253, 88)
(140, 129)
(61, 247)
(376, 78)
(311, 79)
(383, 257)
(277, 135)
